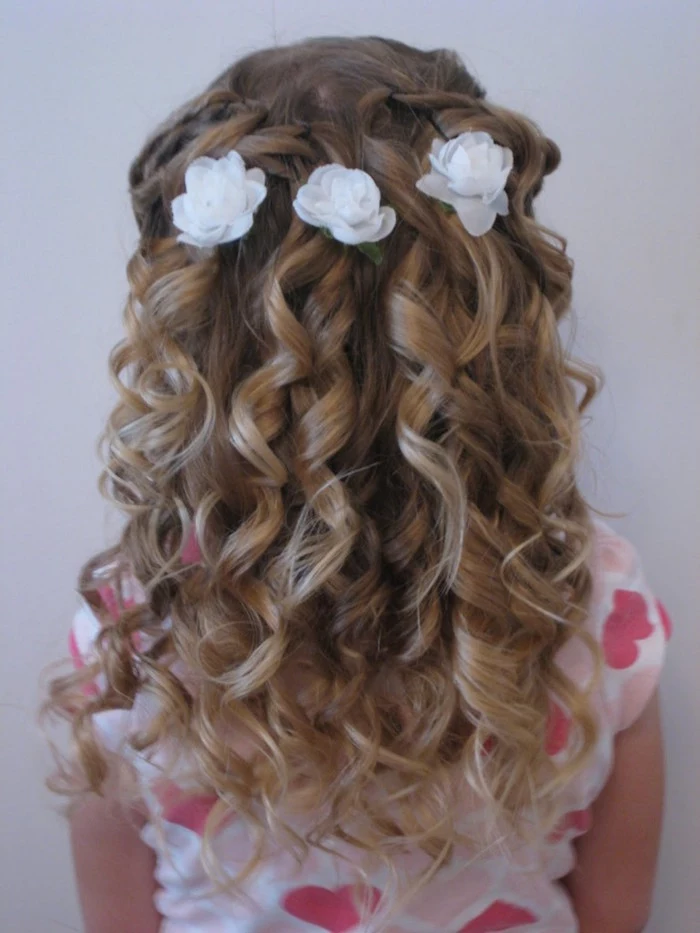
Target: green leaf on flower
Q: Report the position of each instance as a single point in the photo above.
(372, 251)
(447, 208)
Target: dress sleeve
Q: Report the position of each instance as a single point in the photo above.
(632, 627)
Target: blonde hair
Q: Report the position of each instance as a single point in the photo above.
(378, 461)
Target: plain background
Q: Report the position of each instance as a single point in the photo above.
(615, 82)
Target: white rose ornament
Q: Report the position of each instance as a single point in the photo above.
(220, 199)
(346, 204)
(469, 174)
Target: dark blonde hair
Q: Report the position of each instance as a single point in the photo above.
(378, 461)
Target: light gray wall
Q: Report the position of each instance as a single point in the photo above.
(615, 82)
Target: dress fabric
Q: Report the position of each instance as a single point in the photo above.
(512, 888)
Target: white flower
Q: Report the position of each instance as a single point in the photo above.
(346, 202)
(219, 201)
(469, 173)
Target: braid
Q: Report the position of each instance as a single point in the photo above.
(182, 127)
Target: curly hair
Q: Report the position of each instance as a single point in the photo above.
(378, 463)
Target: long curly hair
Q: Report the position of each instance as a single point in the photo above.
(378, 462)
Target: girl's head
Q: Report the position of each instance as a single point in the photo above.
(377, 463)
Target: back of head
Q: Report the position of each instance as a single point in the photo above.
(377, 460)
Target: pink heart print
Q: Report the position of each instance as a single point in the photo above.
(183, 809)
(332, 910)
(499, 917)
(627, 624)
(575, 823)
(557, 730)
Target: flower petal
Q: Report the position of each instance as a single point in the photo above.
(500, 203)
(305, 211)
(198, 171)
(255, 194)
(318, 174)
(438, 164)
(467, 187)
(387, 217)
(351, 236)
(178, 210)
(192, 214)
(232, 165)
(477, 217)
(435, 186)
(257, 175)
(238, 228)
(476, 138)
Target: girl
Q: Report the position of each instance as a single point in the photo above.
(361, 659)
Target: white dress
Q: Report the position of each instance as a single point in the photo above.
(518, 890)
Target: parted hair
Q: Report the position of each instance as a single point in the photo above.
(377, 461)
